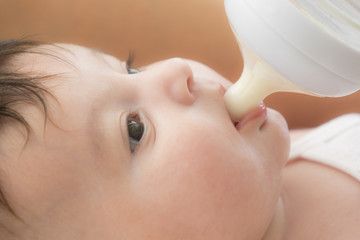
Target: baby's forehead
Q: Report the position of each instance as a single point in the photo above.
(43, 59)
(80, 57)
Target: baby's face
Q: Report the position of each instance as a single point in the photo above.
(150, 155)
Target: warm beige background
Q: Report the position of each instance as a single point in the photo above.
(156, 29)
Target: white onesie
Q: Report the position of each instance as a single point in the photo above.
(335, 143)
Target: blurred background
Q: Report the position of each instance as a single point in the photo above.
(155, 30)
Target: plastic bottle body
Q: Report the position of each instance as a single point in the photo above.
(340, 18)
(284, 38)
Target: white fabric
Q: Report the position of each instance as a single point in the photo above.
(335, 143)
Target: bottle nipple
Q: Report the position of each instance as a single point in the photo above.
(256, 82)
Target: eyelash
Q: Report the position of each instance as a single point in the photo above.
(129, 63)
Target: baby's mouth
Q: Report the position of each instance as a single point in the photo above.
(259, 112)
(235, 123)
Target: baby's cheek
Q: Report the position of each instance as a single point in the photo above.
(191, 189)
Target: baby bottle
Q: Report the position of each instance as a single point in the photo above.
(306, 46)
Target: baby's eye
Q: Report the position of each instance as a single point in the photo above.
(129, 63)
(132, 70)
(135, 131)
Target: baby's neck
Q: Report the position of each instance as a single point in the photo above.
(277, 225)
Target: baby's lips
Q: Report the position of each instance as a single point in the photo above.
(258, 112)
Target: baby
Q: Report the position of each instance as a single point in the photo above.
(93, 148)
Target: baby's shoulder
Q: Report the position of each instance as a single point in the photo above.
(323, 202)
(322, 181)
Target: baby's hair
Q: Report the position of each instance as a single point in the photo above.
(17, 87)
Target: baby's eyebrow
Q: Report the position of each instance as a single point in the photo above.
(102, 56)
(98, 54)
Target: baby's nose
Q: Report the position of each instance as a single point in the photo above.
(174, 79)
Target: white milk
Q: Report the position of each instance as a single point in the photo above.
(257, 81)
